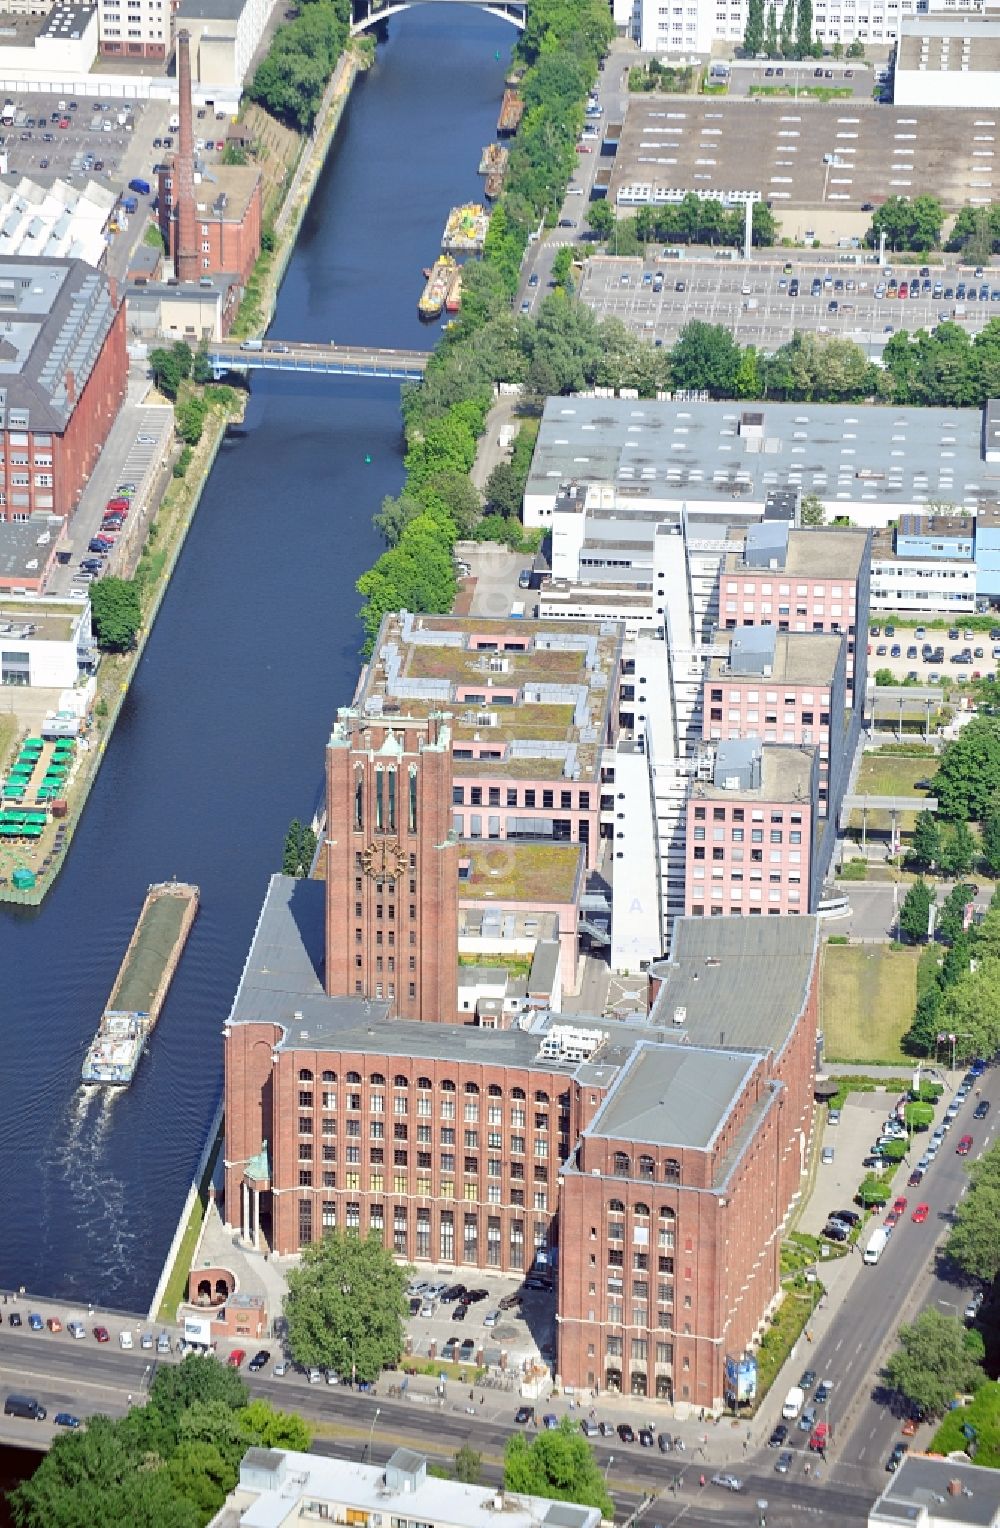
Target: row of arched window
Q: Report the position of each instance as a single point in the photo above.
(640, 1211)
(646, 1167)
(377, 1080)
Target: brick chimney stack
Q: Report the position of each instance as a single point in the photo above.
(185, 242)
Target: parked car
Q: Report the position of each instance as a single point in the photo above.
(524, 1414)
(783, 1463)
(625, 1433)
(778, 1436)
(35, 1322)
(895, 1459)
(260, 1360)
(102, 1334)
(236, 1358)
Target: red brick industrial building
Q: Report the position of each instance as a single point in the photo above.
(65, 373)
(653, 1162)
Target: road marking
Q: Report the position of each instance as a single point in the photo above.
(48, 1378)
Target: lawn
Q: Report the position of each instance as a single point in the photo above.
(8, 734)
(890, 774)
(867, 997)
(816, 92)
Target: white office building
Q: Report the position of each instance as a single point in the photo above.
(278, 1487)
(692, 26)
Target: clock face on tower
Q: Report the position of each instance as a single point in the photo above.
(383, 858)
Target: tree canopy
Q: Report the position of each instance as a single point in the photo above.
(559, 1463)
(936, 1360)
(908, 223)
(346, 1305)
(967, 783)
(974, 1243)
(915, 912)
(116, 613)
(290, 80)
(171, 1462)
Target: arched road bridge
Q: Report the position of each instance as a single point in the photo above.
(368, 15)
(326, 360)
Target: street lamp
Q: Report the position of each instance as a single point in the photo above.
(371, 1434)
(611, 1460)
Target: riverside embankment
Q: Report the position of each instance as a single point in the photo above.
(221, 733)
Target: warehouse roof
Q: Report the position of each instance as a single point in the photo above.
(672, 1095)
(54, 318)
(735, 981)
(709, 453)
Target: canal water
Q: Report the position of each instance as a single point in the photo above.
(220, 741)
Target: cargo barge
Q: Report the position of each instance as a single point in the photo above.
(511, 112)
(494, 160)
(493, 187)
(439, 279)
(142, 983)
(466, 229)
(453, 301)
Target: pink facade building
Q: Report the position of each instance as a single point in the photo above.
(783, 687)
(749, 835)
(802, 579)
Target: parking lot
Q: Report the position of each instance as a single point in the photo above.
(900, 649)
(92, 128)
(486, 1335)
(856, 79)
(799, 155)
(757, 301)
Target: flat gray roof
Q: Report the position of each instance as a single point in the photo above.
(694, 452)
(19, 545)
(959, 44)
(672, 1095)
(921, 1486)
(786, 773)
(736, 982)
(810, 552)
(800, 657)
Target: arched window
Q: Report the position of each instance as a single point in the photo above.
(623, 1164)
(642, 1211)
(517, 1093)
(494, 1091)
(541, 1098)
(616, 1207)
(329, 1076)
(400, 1081)
(672, 1170)
(424, 1082)
(377, 1080)
(647, 1167)
(666, 1213)
(447, 1086)
(354, 1076)
(305, 1075)
(472, 1087)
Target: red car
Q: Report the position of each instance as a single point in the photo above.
(64, 122)
(899, 1205)
(921, 1213)
(820, 1437)
(116, 507)
(583, 148)
(236, 1358)
(102, 1334)
(964, 1146)
(891, 1220)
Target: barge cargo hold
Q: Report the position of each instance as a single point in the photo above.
(494, 160)
(453, 301)
(142, 983)
(439, 279)
(493, 187)
(466, 229)
(511, 112)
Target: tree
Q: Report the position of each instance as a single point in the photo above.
(907, 224)
(973, 1243)
(856, 49)
(915, 912)
(803, 28)
(970, 1008)
(918, 1116)
(189, 419)
(706, 357)
(170, 368)
(504, 488)
(937, 1359)
(968, 780)
(562, 266)
(786, 38)
(300, 847)
(771, 35)
(395, 515)
(345, 1306)
(990, 843)
(559, 1464)
(812, 510)
(116, 613)
(753, 33)
(468, 1465)
(957, 850)
(201, 368)
(926, 844)
(601, 217)
(884, 676)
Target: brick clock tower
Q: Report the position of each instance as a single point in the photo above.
(392, 865)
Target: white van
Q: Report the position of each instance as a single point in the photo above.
(125, 1339)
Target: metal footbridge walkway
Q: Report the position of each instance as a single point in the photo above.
(325, 360)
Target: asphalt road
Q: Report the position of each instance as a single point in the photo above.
(905, 1280)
